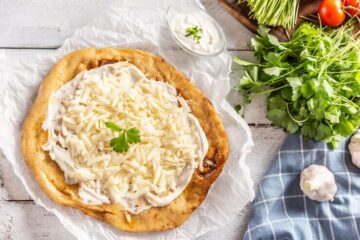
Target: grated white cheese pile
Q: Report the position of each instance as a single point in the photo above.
(153, 172)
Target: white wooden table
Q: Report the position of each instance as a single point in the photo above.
(31, 27)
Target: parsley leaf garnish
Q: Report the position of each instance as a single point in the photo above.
(113, 127)
(128, 136)
(194, 33)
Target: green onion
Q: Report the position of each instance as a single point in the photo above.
(275, 12)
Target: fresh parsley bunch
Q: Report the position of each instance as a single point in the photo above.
(128, 136)
(312, 81)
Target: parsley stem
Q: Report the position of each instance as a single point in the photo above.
(293, 118)
(280, 78)
(350, 71)
(272, 90)
(348, 101)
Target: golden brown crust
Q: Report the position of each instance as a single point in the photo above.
(51, 178)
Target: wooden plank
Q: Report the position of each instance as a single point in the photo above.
(241, 12)
(237, 35)
(16, 55)
(11, 188)
(44, 24)
(25, 220)
(255, 111)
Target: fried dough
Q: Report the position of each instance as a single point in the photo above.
(51, 178)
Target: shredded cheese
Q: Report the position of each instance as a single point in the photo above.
(151, 173)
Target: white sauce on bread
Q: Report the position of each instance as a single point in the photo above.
(151, 173)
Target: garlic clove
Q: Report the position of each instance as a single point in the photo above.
(307, 186)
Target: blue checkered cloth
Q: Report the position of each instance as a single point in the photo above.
(281, 210)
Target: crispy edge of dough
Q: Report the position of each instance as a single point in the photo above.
(50, 177)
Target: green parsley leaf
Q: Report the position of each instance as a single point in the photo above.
(309, 129)
(277, 102)
(237, 108)
(295, 82)
(274, 41)
(308, 89)
(333, 114)
(344, 128)
(322, 132)
(357, 77)
(113, 126)
(276, 116)
(328, 89)
(273, 71)
(242, 62)
(291, 126)
(249, 81)
(121, 143)
(133, 135)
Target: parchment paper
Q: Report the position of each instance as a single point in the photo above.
(141, 24)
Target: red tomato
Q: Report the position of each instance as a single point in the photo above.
(332, 13)
(350, 5)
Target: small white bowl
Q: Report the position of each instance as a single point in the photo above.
(173, 10)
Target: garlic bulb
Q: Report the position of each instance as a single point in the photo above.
(354, 148)
(318, 183)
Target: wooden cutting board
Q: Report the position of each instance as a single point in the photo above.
(241, 12)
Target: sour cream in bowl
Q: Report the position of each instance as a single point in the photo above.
(195, 31)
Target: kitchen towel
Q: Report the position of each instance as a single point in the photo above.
(282, 211)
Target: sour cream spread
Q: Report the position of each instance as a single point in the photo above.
(197, 32)
(151, 173)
